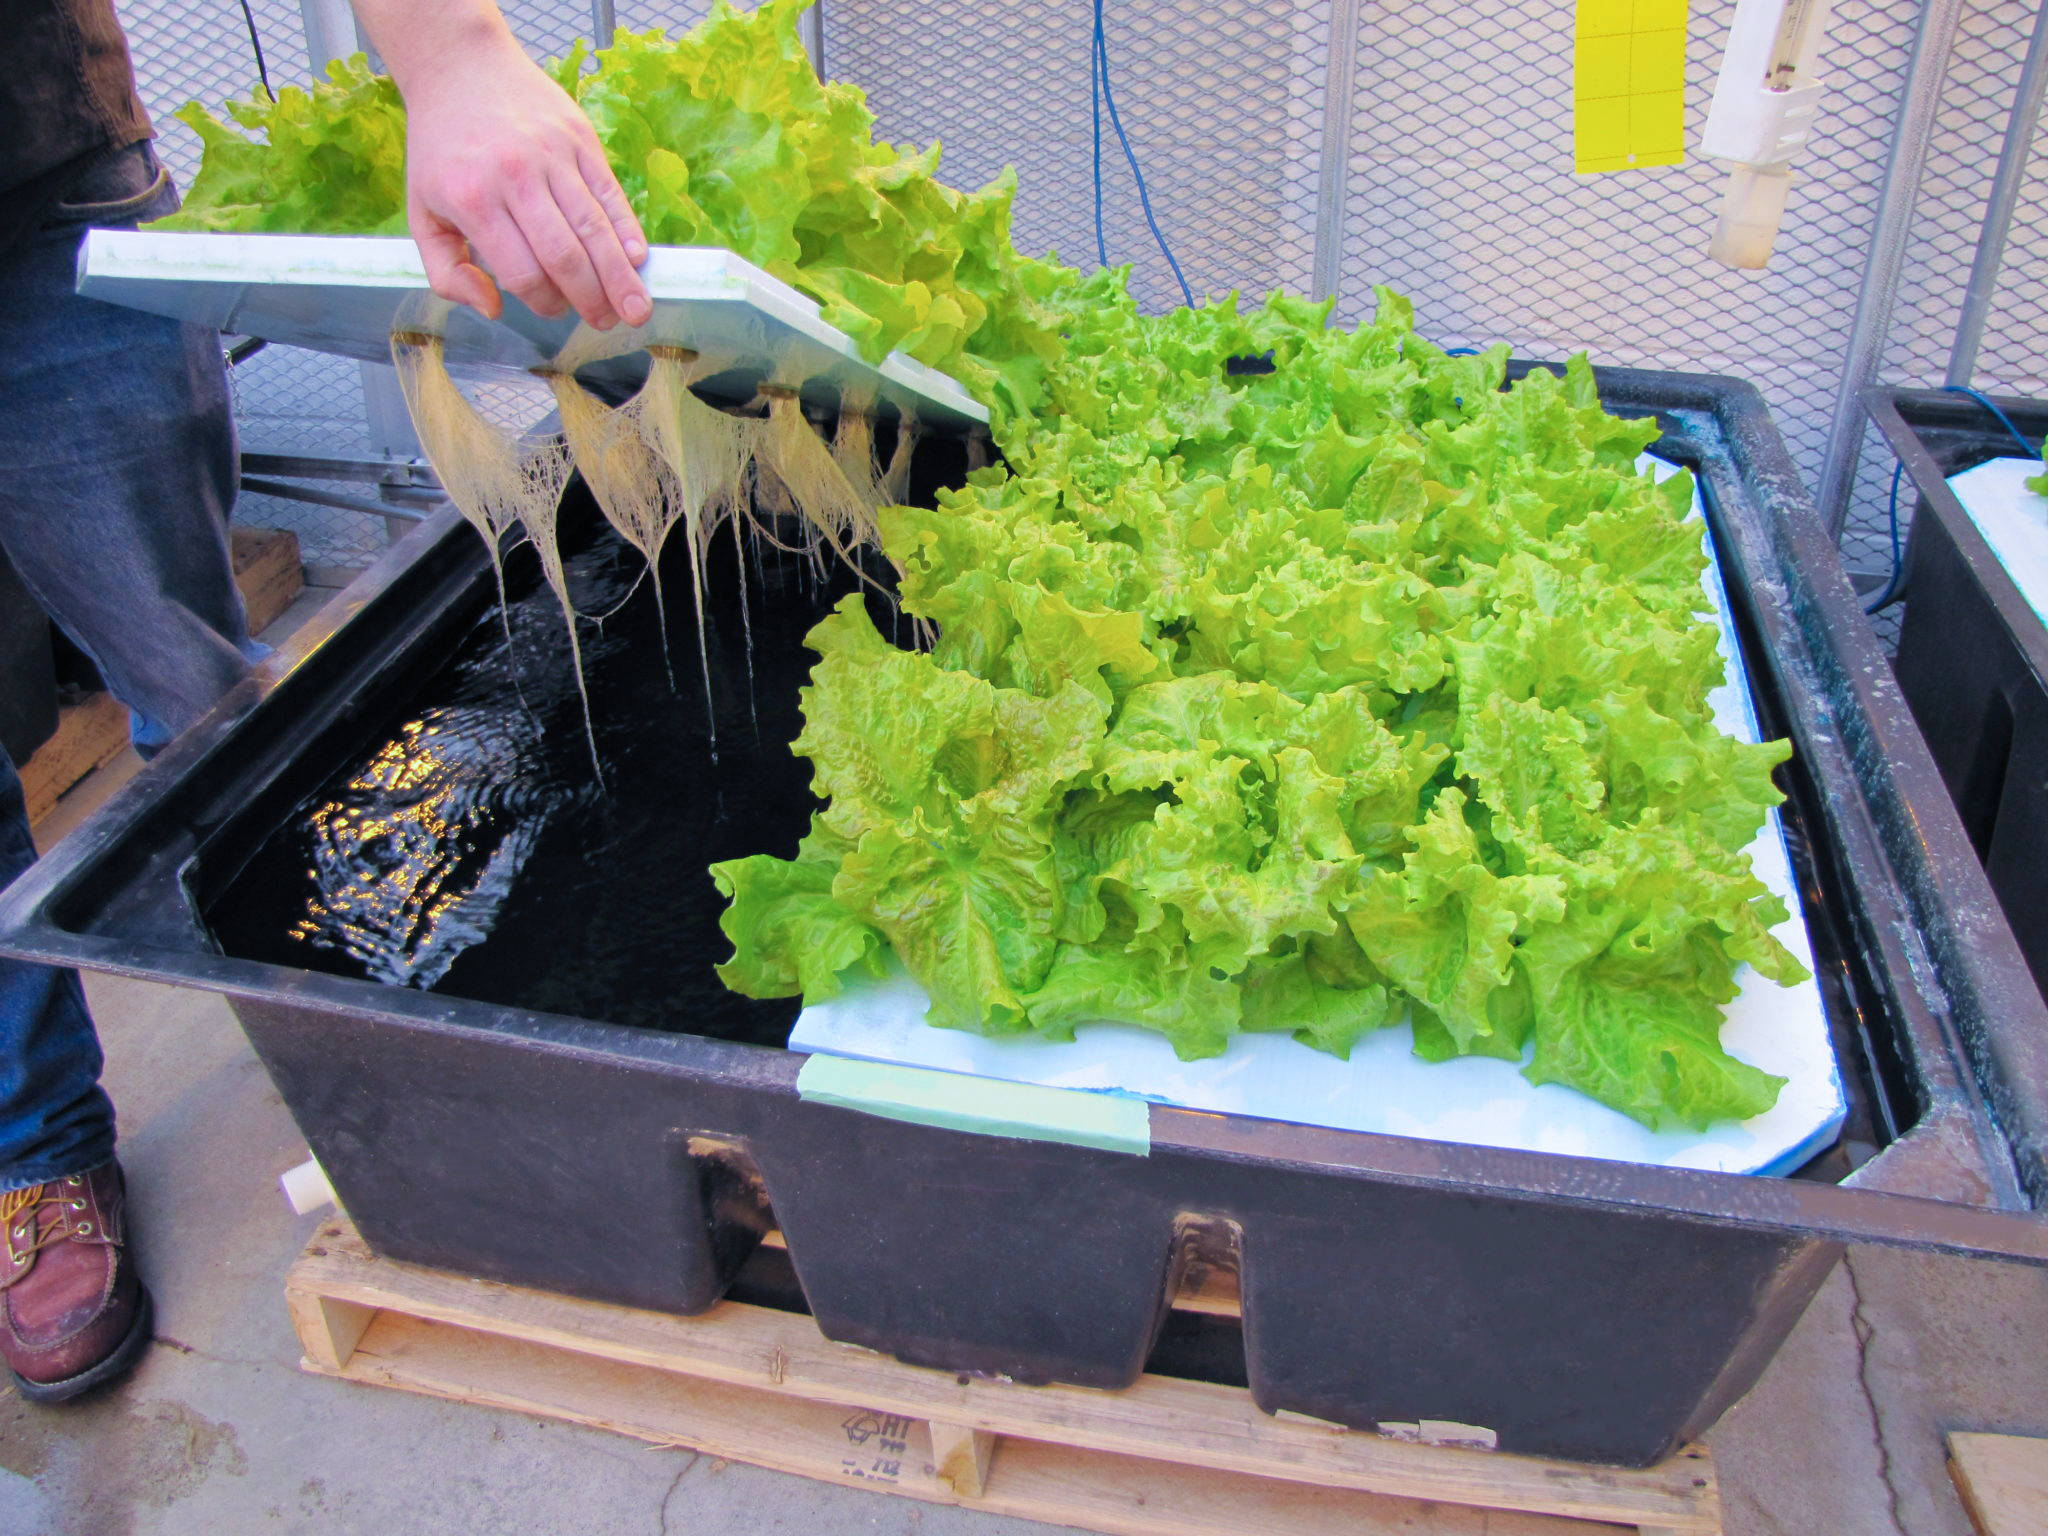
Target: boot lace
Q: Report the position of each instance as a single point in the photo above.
(32, 1219)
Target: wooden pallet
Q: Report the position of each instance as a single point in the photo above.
(89, 735)
(1165, 1458)
(267, 572)
(2003, 1480)
(93, 732)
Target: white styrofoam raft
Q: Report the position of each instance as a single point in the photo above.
(346, 294)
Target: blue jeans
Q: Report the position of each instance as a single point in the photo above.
(54, 1116)
(117, 475)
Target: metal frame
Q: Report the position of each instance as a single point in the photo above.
(1933, 42)
(1339, 98)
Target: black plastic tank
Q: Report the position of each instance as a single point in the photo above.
(1973, 656)
(1594, 1310)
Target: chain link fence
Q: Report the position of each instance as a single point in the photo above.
(1222, 103)
(1459, 184)
(1463, 197)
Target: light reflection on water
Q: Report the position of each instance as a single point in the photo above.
(413, 859)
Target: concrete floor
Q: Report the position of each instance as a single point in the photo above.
(219, 1432)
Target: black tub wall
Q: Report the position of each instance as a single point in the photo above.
(1594, 1336)
(1028, 1259)
(515, 1159)
(640, 1167)
(1588, 1334)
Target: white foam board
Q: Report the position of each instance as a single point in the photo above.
(347, 293)
(2013, 520)
(1385, 1087)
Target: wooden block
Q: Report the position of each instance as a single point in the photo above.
(267, 572)
(89, 734)
(2003, 1480)
(1149, 1447)
(961, 1456)
(328, 1330)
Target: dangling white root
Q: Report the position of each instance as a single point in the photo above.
(664, 460)
(896, 478)
(853, 444)
(631, 485)
(495, 480)
(795, 454)
(705, 452)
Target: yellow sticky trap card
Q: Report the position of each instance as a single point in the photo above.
(1628, 84)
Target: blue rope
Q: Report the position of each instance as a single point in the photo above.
(1894, 587)
(1144, 196)
(1991, 405)
(1890, 594)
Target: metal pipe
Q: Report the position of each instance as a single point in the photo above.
(1998, 207)
(1334, 169)
(604, 21)
(811, 27)
(395, 474)
(1918, 106)
(330, 32)
(320, 498)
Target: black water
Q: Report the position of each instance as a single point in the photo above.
(470, 849)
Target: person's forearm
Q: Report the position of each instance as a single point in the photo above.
(425, 40)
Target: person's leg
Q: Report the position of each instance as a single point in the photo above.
(73, 1312)
(54, 1118)
(118, 465)
(117, 473)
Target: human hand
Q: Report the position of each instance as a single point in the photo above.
(505, 180)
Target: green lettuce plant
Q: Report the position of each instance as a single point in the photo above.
(1303, 700)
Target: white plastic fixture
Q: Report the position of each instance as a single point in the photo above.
(306, 1189)
(1763, 110)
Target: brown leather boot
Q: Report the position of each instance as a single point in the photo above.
(73, 1313)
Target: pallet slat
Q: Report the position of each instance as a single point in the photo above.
(766, 1387)
(267, 572)
(2003, 1480)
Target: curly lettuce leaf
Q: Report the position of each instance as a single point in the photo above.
(1398, 709)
